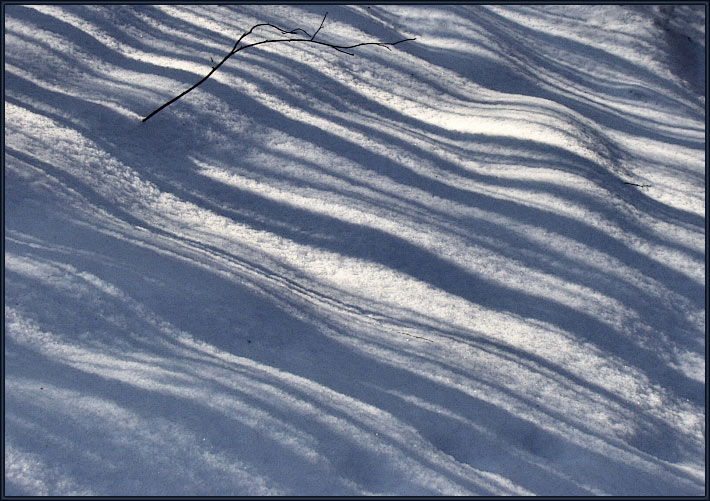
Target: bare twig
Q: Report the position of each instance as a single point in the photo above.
(319, 27)
(311, 39)
(639, 185)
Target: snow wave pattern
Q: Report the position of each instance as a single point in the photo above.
(409, 272)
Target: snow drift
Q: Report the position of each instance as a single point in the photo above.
(474, 264)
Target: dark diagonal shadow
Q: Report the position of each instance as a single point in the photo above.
(272, 316)
(400, 255)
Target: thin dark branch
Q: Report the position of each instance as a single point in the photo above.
(319, 27)
(639, 185)
(283, 32)
(236, 48)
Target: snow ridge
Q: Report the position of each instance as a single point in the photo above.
(472, 265)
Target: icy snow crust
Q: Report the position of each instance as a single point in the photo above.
(416, 271)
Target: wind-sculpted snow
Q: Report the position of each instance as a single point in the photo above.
(471, 265)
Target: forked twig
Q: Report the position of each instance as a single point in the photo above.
(311, 39)
(319, 27)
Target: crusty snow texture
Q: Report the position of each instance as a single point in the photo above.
(470, 265)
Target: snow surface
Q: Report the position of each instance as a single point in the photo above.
(416, 271)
